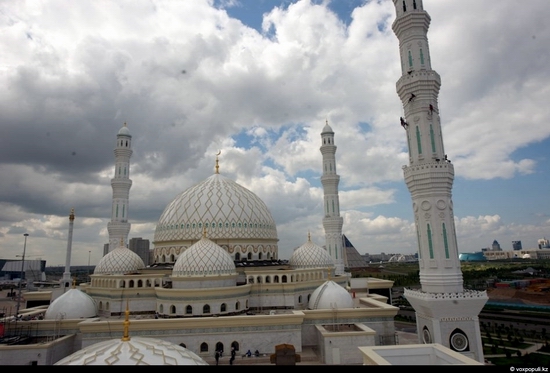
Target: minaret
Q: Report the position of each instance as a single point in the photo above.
(119, 227)
(332, 221)
(445, 312)
(66, 281)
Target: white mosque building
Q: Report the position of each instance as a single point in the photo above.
(218, 283)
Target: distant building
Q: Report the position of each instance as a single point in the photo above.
(516, 245)
(544, 243)
(472, 257)
(496, 246)
(141, 247)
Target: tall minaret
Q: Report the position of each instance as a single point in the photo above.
(445, 312)
(66, 281)
(332, 222)
(119, 227)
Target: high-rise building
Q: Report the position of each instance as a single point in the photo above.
(445, 312)
(332, 221)
(141, 247)
(516, 245)
(119, 227)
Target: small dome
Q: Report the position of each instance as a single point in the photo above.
(204, 258)
(124, 131)
(74, 304)
(118, 262)
(327, 129)
(330, 295)
(310, 255)
(133, 351)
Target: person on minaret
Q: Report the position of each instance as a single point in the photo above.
(119, 227)
(66, 281)
(445, 312)
(332, 221)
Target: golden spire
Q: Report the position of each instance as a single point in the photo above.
(125, 124)
(204, 232)
(329, 273)
(126, 336)
(74, 283)
(217, 162)
(308, 236)
(121, 242)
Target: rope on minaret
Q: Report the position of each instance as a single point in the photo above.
(217, 162)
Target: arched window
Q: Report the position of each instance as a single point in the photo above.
(235, 345)
(204, 347)
(189, 310)
(183, 345)
(206, 309)
(299, 299)
(238, 256)
(219, 347)
(249, 256)
(237, 305)
(223, 307)
(172, 309)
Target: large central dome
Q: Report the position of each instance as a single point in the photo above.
(235, 219)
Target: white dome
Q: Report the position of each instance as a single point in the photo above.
(310, 255)
(327, 129)
(135, 351)
(229, 212)
(330, 295)
(204, 258)
(124, 131)
(119, 261)
(74, 304)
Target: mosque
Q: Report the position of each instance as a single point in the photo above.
(218, 283)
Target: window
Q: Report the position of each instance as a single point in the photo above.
(206, 309)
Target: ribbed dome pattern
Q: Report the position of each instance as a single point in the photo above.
(204, 258)
(136, 351)
(119, 261)
(330, 295)
(310, 255)
(74, 304)
(226, 209)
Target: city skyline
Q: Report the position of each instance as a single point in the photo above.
(257, 80)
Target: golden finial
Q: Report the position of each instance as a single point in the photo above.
(326, 120)
(71, 216)
(204, 232)
(217, 162)
(121, 242)
(329, 273)
(125, 125)
(74, 283)
(309, 236)
(126, 336)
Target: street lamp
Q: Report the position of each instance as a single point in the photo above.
(21, 276)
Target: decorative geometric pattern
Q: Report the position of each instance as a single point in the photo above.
(119, 261)
(136, 351)
(224, 208)
(310, 255)
(204, 258)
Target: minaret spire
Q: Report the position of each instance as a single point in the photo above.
(332, 221)
(119, 227)
(66, 281)
(429, 178)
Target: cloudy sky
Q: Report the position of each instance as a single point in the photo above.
(257, 79)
